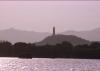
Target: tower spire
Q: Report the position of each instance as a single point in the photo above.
(53, 31)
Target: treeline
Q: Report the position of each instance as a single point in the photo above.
(63, 50)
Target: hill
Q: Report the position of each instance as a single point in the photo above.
(92, 35)
(53, 40)
(14, 35)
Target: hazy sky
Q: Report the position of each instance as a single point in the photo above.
(41, 16)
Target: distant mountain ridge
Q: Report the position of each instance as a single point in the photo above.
(53, 40)
(92, 35)
(15, 35)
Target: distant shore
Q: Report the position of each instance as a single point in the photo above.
(63, 50)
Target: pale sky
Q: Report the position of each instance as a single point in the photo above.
(41, 16)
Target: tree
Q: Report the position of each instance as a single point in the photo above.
(95, 45)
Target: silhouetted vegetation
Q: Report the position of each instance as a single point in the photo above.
(64, 50)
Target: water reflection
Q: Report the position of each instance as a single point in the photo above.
(43, 64)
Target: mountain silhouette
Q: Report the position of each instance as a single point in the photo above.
(92, 35)
(15, 35)
(53, 40)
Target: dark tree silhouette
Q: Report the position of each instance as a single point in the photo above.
(95, 45)
(63, 50)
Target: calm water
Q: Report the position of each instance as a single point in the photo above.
(41, 64)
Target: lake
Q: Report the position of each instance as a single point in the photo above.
(44, 64)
